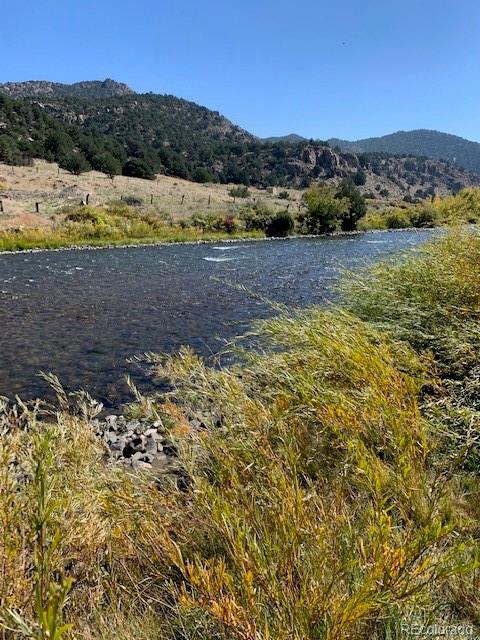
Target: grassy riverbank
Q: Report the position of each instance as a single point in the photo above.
(334, 494)
(118, 223)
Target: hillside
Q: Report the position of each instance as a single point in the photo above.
(420, 142)
(88, 89)
(107, 127)
(290, 138)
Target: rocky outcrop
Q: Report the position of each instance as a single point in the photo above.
(87, 89)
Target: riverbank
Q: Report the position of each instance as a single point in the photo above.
(307, 502)
(210, 239)
(120, 224)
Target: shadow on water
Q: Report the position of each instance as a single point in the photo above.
(83, 314)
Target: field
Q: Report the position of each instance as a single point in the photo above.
(54, 189)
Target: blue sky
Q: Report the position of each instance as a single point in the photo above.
(347, 69)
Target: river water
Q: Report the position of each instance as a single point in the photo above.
(82, 314)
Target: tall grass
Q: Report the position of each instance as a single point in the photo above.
(333, 494)
(453, 210)
(116, 224)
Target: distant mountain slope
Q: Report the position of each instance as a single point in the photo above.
(146, 134)
(420, 142)
(291, 138)
(88, 89)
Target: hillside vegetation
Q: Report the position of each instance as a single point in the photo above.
(331, 494)
(114, 130)
(420, 142)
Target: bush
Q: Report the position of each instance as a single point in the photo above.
(133, 201)
(258, 217)
(284, 195)
(229, 224)
(85, 214)
(108, 164)
(397, 219)
(74, 164)
(372, 220)
(462, 207)
(424, 216)
(136, 168)
(202, 175)
(360, 178)
(324, 210)
(240, 191)
(356, 207)
(280, 225)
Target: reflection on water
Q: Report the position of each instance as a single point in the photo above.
(82, 314)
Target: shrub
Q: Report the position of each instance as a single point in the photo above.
(372, 220)
(322, 451)
(74, 164)
(240, 191)
(108, 164)
(324, 210)
(202, 175)
(136, 168)
(360, 178)
(397, 219)
(284, 195)
(356, 205)
(280, 225)
(229, 224)
(133, 201)
(462, 207)
(424, 216)
(257, 217)
(85, 214)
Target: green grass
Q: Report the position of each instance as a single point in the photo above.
(116, 224)
(334, 493)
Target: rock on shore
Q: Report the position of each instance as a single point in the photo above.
(139, 444)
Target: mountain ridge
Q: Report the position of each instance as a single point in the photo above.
(419, 142)
(107, 126)
(84, 88)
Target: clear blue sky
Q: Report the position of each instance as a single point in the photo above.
(344, 68)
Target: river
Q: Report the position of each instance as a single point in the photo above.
(82, 314)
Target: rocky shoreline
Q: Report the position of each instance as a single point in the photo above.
(139, 444)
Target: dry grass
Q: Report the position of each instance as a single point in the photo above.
(22, 187)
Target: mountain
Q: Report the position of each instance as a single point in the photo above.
(290, 138)
(420, 142)
(108, 127)
(89, 89)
